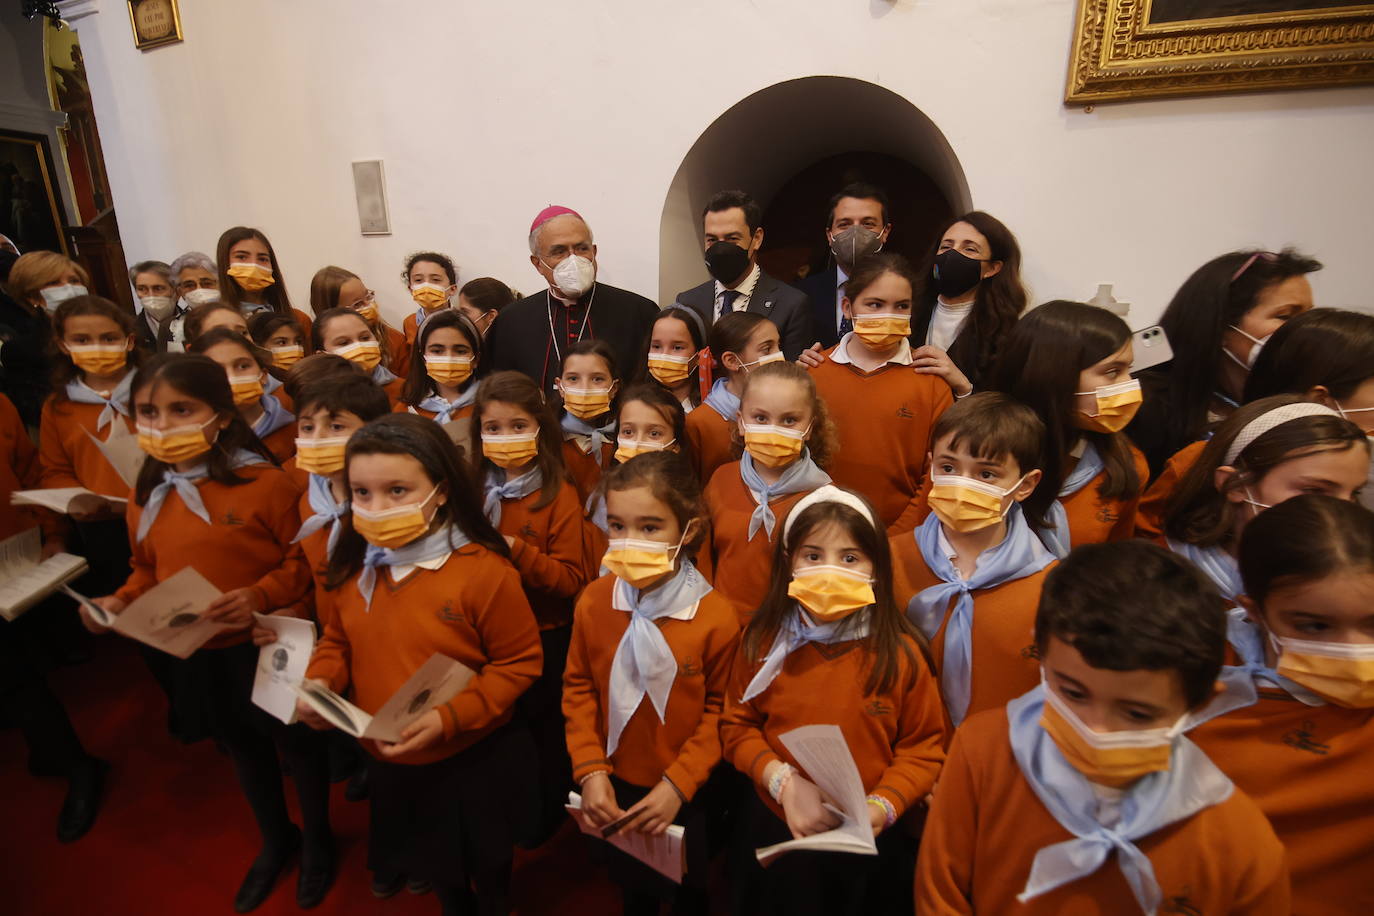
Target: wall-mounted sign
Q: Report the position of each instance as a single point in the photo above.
(155, 23)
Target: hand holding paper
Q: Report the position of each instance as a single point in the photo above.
(27, 576)
(661, 852)
(436, 682)
(416, 736)
(282, 663)
(169, 616)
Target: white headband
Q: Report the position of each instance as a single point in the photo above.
(829, 494)
(1267, 421)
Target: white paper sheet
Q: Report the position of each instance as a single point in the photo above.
(282, 664)
(121, 450)
(824, 758)
(664, 853)
(58, 499)
(436, 682)
(25, 579)
(167, 616)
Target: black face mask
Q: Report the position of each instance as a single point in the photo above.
(955, 273)
(726, 261)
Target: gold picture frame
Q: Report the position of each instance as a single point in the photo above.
(155, 23)
(1139, 49)
(35, 218)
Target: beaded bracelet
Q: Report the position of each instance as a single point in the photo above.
(778, 781)
(889, 811)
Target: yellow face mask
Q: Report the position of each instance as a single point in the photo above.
(176, 445)
(831, 593)
(511, 451)
(1340, 673)
(367, 309)
(364, 353)
(670, 370)
(1116, 406)
(429, 296)
(321, 456)
(286, 357)
(252, 277)
(628, 448)
(774, 446)
(882, 331)
(1114, 759)
(99, 359)
(638, 562)
(395, 527)
(966, 504)
(449, 370)
(585, 403)
(247, 389)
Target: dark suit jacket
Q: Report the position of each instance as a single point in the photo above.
(820, 289)
(786, 306)
(145, 337)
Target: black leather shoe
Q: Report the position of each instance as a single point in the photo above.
(315, 879)
(418, 886)
(82, 803)
(357, 788)
(384, 885)
(263, 874)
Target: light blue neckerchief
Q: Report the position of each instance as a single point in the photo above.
(430, 547)
(1020, 554)
(1056, 535)
(328, 511)
(1191, 784)
(117, 403)
(721, 400)
(272, 384)
(382, 375)
(801, 476)
(796, 632)
(274, 417)
(495, 489)
(594, 436)
(596, 511)
(443, 409)
(1239, 681)
(1217, 564)
(419, 318)
(644, 662)
(185, 485)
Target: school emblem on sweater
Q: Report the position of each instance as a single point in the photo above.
(449, 615)
(231, 519)
(527, 532)
(1181, 905)
(1305, 739)
(1108, 515)
(904, 413)
(691, 667)
(878, 708)
(1031, 652)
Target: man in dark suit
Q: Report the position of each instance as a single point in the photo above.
(857, 225)
(533, 334)
(733, 233)
(152, 282)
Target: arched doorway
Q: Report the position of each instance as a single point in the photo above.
(786, 144)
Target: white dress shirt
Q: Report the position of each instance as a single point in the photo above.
(745, 290)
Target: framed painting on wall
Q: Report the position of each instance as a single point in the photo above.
(31, 213)
(1136, 49)
(155, 23)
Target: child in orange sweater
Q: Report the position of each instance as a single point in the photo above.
(1265, 452)
(1071, 364)
(432, 281)
(420, 570)
(970, 576)
(1083, 796)
(787, 436)
(250, 276)
(444, 369)
(740, 342)
(673, 355)
(830, 646)
(588, 386)
(209, 497)
(651, 650)
(280, 336)
(1298, 728)
(888, 408)
(345, 333)
(253, 386)
(517, 452)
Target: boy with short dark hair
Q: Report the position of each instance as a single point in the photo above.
(1083, 796)
(970, 575)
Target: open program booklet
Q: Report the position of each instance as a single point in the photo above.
(664, 853)
(823, 757)
(25, 578)
(120, 449)
(166, 616)
(434, 684)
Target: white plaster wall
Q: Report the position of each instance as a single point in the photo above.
(485, 112)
